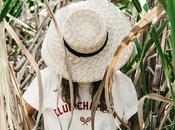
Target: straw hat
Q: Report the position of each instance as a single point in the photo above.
(90, 31)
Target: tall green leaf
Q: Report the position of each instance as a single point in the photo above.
(165, 65)
(137, 5)
(7, 6)
(171, 14)
(14, 7)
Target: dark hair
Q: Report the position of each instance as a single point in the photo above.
(65, 94)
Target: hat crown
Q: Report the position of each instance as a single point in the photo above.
(84, 31)
(105, 19)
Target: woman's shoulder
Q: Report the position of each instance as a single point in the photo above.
(47, 73)
(122, 83)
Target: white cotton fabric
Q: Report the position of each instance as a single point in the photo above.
(124, 98)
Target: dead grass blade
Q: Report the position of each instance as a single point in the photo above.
(3, 123)
(166, 113)
(66, 61)
(19, 107)
(6, 97)
(22, 23)
(152, 96)
(32, 61)
(156, 12)
(95, 102)
(107, 80)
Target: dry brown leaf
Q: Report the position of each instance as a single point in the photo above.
(20, 101)
(156, 12)
(32, 61)
(151, 96)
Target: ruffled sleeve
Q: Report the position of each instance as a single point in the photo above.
(124, 96)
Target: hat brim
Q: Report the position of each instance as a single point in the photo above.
(87, 69)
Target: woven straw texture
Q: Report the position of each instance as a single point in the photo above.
(74, 22)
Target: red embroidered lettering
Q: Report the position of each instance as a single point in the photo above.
(56, 112)
(59, 111)
(79, 105)
(85, 105)
(65, 108)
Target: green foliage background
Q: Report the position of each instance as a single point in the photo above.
(151, 67)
